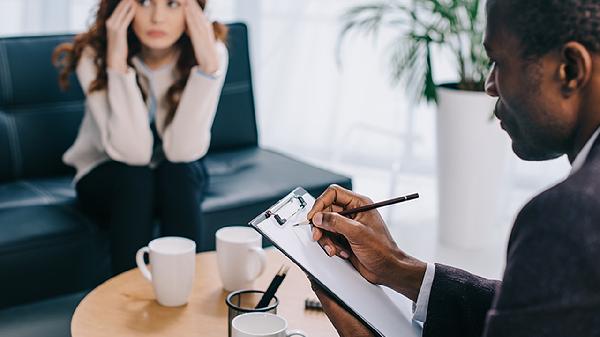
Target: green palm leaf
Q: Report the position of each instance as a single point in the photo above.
(454, 24)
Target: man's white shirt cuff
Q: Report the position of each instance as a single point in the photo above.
(420, 307)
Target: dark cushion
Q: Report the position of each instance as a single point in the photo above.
(46, 237)
(47, 247)
(38, 121)
(50, 318)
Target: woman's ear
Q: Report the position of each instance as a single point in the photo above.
(575, 69)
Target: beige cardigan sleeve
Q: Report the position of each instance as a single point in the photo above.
(187, 137)
(119, 113)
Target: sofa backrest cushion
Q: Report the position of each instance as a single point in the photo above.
(38, 121)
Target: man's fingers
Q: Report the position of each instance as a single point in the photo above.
(334, 194)
(334, 208)
(356, 263)
(338, 196)
(330, 208)
(316, 234)
(333, 222)
(329, 246)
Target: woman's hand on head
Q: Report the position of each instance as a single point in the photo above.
(202, 35)
(116, 31)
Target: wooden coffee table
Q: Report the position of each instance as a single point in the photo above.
(125, 305)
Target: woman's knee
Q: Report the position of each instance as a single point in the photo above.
(123, 189)
(114, 180)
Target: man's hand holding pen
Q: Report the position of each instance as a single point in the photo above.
(373, 251)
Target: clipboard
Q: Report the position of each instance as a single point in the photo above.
(386, 312)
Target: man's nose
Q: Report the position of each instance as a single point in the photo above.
(490, 83)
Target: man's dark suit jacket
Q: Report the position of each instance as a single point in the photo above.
(551, 285)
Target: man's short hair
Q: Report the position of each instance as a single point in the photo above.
(546, 25)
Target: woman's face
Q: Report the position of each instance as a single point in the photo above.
(159, 23)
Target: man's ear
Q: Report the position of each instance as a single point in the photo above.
(575, 68)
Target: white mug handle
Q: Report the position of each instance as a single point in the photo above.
(262, 259)
(295, 333)
(139, 259)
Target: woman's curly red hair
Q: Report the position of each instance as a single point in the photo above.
(67, 55)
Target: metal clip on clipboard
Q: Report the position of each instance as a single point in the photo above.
(286, 208)
(292, 205)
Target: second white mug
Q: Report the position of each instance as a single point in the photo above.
(240, 257)
(173, 263)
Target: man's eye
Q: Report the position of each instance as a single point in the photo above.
(144, 3)
(173, 4)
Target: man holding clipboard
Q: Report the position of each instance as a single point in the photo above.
(546, 74)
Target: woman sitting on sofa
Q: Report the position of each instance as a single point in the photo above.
(152, 71)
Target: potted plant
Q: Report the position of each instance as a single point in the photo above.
(472, 149)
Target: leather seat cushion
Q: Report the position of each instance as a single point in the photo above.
(48, 250)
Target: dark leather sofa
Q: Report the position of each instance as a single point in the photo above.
(51, 253)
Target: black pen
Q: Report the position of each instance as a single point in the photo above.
(275, 283)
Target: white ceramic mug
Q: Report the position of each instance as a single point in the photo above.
(173, 264)
(240, 257)
(260, 324)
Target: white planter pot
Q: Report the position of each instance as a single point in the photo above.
(472, 162)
